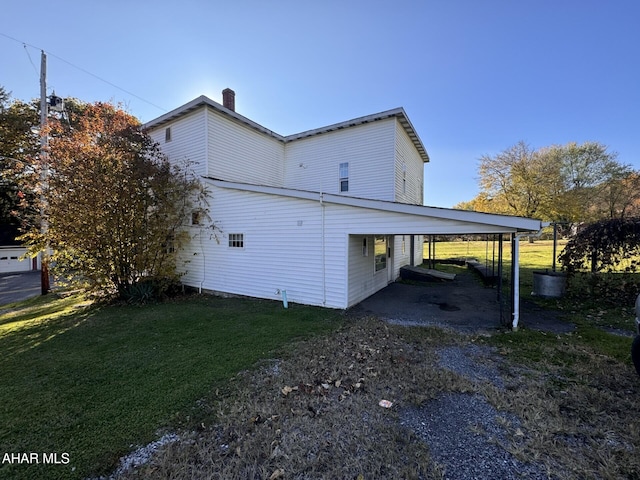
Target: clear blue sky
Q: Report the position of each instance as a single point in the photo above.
(474, 76)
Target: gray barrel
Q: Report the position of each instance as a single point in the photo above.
(549, 284)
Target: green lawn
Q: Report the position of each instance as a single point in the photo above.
(88, 383)
(592, 316)
(533, 256)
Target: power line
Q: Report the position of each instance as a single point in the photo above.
(31, 61)
(25, 44)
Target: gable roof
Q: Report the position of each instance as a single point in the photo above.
(204, 101)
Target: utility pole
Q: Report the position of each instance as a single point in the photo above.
(44, 260)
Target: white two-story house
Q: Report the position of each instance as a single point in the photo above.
(326, 217)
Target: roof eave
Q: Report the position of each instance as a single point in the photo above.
(398, 113)
(501, 223)
(202, 102)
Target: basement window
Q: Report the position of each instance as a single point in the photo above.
(344, 177)
(236, 240)
(167, 134)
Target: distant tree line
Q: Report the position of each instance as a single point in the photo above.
(572, 183)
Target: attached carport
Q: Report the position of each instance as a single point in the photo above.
(376, 218)
(324, 233)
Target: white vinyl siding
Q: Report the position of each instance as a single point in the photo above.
(401, 253)
(363, 281)
(311, 249)
(282, 249)
(186, 142)
(311, 163)
(409, 170)
(238, 153)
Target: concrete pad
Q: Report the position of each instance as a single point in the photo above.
(463, 304)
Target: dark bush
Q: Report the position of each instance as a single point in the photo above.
(149, 290)
(612, 289)
(601, 261)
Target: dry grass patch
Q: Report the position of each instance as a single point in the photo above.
(316, 414)
(568, 413)
(578, 408)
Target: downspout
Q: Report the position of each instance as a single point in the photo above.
(206, 174)
(516, 282)
(516, 272)
(204, 262)
(324, 281)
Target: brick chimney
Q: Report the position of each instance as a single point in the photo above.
(229, 99)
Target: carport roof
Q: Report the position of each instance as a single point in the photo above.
(465, 222)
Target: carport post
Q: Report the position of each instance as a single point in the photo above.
(515, 280)
(500, 270)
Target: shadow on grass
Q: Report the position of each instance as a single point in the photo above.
(92, 383)
(28, 324)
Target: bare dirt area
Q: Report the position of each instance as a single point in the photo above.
(456, 408)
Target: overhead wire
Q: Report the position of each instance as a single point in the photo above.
(25, 44)
(30, 60)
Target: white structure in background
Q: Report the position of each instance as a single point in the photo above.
(11, 260)
(327, 215)
(13, 255)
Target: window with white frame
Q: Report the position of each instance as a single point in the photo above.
(167, 134)
(236, 240)
(365, 247)
(380, 250)
(344, 177)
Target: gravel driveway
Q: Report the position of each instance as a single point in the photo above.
(463, 430)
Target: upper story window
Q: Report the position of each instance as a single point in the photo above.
(344, 177)
(167, 134)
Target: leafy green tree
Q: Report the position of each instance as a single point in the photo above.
(115, 208)
(571, 183)
(517, 180)
(586, 172)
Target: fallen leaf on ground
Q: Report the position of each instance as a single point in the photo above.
(278, 473)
